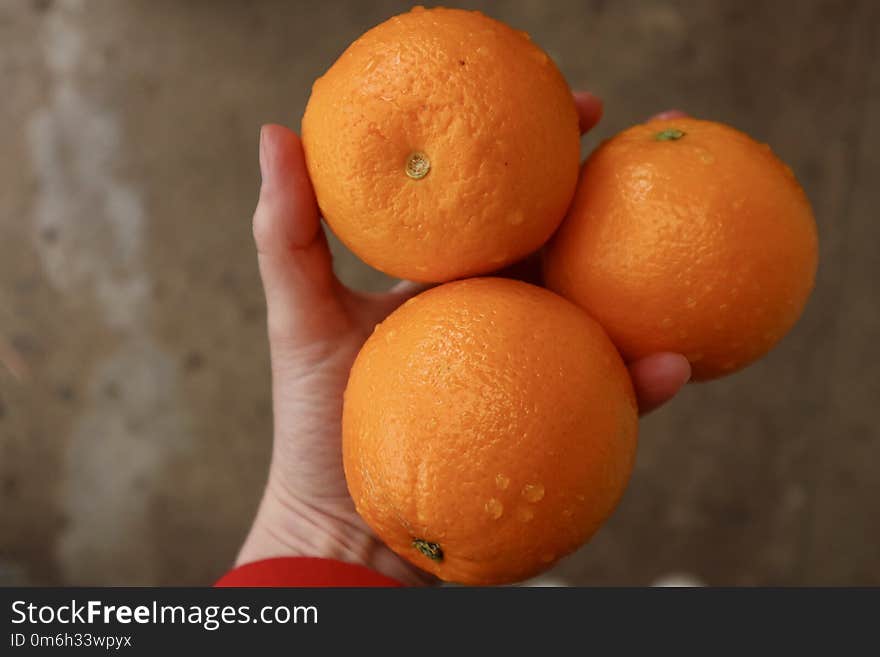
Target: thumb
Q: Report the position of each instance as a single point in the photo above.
(295, 262)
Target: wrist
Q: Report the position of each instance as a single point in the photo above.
(286, 527)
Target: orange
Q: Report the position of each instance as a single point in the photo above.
(442, 144)
(489, 428)
(687, 236)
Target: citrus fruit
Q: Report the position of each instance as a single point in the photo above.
(442, 144)
(687, 236)
(489, 428)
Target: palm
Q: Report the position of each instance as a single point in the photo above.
(308, 392)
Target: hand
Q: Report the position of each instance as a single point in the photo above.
(316, 326)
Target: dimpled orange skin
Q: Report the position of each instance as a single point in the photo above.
(703, 245)
(494, 419)
(491, 113)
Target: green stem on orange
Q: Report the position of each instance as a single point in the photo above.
(670, 134)
(430, 550)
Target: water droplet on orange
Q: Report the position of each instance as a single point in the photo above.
(494, 508)
(533, 492)
(705, 156)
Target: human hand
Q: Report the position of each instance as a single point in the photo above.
(316, 327)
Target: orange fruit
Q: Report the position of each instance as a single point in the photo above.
(442, 144)
(687, 236)
(489, 428)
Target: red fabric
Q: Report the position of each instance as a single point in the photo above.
(303, 571)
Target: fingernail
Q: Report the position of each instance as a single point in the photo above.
(689, 371)
(670, 114)
(264, 168)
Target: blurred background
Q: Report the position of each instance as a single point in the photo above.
(134, 377)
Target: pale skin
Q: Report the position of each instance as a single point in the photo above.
(316, 326)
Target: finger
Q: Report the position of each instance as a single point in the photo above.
(295, 261)
(589, 109)
(658, 377)
(668, 114)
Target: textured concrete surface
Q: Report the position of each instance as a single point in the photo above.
(134, 383)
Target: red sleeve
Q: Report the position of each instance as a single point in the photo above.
(303, 571)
